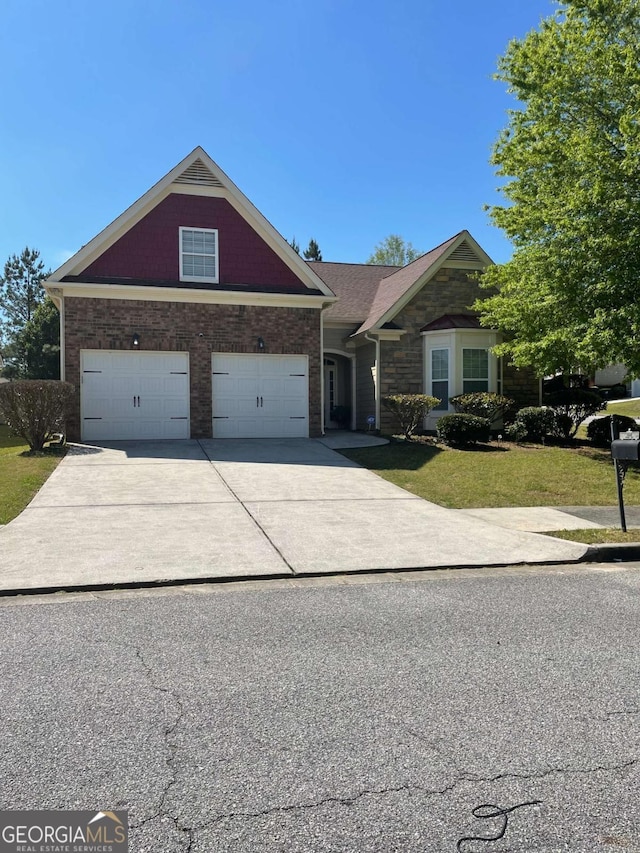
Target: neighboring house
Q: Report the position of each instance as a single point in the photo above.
(617, 374)
(190, 316)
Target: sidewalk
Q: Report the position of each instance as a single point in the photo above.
(546, 519)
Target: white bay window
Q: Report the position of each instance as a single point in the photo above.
(458, 361)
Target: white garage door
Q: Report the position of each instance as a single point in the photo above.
(260, 396)
(131, 395)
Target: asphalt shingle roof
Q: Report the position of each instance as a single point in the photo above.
(394, 286)
(366, 292)
(354, 284)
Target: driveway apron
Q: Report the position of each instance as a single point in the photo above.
(141, 512)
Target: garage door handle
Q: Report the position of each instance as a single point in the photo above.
(257, 403)
(138, 402)
(260, 402)
(134, 402)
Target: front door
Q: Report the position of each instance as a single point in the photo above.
(330, 392)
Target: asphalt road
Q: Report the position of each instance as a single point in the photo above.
(371, 714)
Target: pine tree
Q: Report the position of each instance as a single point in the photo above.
(295, 245)
(312, 252)
(21, 289)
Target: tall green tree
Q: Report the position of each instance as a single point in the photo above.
(34, 351)
(570, 297)
(294, 245)
(29, 323)
(21, 289)
(394, 251)
(312, 252)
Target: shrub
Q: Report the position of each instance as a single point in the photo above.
(574, 403)
(538, 422)
(599, 430)
(35, 409)
(463, 429)
(562, 426)
(516, 431)
(410, 410)
(483, 404)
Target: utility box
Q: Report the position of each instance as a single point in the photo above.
(626, 449)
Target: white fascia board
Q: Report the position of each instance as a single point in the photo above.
(381, 334)
(428, 274)
(149, 293)
(388, 334)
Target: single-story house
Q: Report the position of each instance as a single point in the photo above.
(190, 316)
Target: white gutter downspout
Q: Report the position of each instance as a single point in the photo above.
(322, 424)
(376, 341)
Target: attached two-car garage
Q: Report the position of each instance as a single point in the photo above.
(145, 395)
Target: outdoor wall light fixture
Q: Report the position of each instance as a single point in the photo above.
(260, 343)
(135, 341)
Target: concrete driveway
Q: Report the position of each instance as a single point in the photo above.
(142, 512)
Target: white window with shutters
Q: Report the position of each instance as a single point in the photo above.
(199, 255)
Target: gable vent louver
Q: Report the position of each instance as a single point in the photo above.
(198, 173)
(464, 252)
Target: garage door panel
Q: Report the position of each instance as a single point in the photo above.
(134, 395)
(263, 396)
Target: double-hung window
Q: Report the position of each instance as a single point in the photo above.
(199, 255)
(475, 370)
(440, 377)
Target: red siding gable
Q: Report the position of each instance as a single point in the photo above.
(149, 251)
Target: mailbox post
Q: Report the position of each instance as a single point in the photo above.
(624, 450)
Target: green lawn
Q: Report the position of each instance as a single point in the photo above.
(500, 475)
(630, 408)
(598, 535)
(21, 473)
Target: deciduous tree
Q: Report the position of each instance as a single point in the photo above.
(570, 153)
(394, 251)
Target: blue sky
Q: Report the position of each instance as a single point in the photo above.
(341, 120)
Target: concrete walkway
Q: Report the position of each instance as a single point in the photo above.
(546, 519)
(154, 511)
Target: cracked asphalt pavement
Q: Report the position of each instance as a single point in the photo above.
(342, 714)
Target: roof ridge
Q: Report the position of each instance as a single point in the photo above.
(434, 249)
(358, 264)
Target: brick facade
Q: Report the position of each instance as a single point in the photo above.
(149, 251)
(198, 329)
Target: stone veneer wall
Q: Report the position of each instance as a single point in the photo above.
(522, 384)
(194, 328)
(450, 291)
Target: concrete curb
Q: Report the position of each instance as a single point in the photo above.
(612, 552)
(594, 554)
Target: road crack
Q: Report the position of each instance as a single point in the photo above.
(171, 748)
(410, 789)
